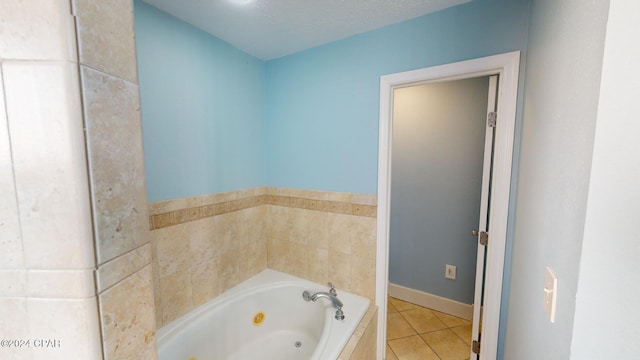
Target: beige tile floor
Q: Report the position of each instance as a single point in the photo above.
(418, 333)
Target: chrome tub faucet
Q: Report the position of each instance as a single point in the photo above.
(332, 295)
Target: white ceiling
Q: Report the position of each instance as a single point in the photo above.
(269, 29)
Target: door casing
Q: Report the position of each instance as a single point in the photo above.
(507, 67)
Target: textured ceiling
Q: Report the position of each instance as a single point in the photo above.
(268, 29)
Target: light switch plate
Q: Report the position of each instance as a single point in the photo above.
(550, 293)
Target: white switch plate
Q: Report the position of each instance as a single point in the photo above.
(550, 293)
(450, 272)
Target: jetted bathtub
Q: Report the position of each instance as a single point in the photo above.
(263, 318)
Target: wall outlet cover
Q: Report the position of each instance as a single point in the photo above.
(450, 272)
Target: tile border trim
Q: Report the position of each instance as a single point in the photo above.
(181, 216)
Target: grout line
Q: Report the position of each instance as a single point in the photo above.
(4, 105)
(420, 334)
(429, 346)
(394, 353)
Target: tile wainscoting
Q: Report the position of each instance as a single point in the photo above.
(203, 245)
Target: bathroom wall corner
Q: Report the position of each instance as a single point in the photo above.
(203, 246)
(324, 236)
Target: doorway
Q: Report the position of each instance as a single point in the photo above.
(506, 66)
(440, 137)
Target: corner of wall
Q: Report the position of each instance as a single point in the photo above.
(203, 246)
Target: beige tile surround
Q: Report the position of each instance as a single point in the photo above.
(111, 109)
(362, 344)
(204, 245)
(114, 142)
(179, 211)
(106, 39)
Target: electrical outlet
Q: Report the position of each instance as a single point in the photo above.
(550, 293)
(450, 272)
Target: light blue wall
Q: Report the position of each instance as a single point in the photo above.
(202, 109)
(205, 133)
(436, 183)
(322, 104)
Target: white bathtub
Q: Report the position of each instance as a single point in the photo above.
(287, 326)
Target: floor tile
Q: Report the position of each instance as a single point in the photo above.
(390, 354)
(447, 345)
(463, 332)
(390, 307)
(423, 320)
(412, 348)
(451, 321)
(402, 305)
(416, 332)
(398, 327)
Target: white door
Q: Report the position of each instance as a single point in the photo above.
(483, 227)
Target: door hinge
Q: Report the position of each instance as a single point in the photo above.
(492, 119)
(484, 238)
(475, 347)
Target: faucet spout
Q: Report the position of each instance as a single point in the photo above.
(334, 300)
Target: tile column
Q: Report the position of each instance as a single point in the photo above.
(111, 103)
(75, 274)
(48, 303)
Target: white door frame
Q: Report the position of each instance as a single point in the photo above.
(507, 66)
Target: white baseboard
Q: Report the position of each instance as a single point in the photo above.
(435, 302)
